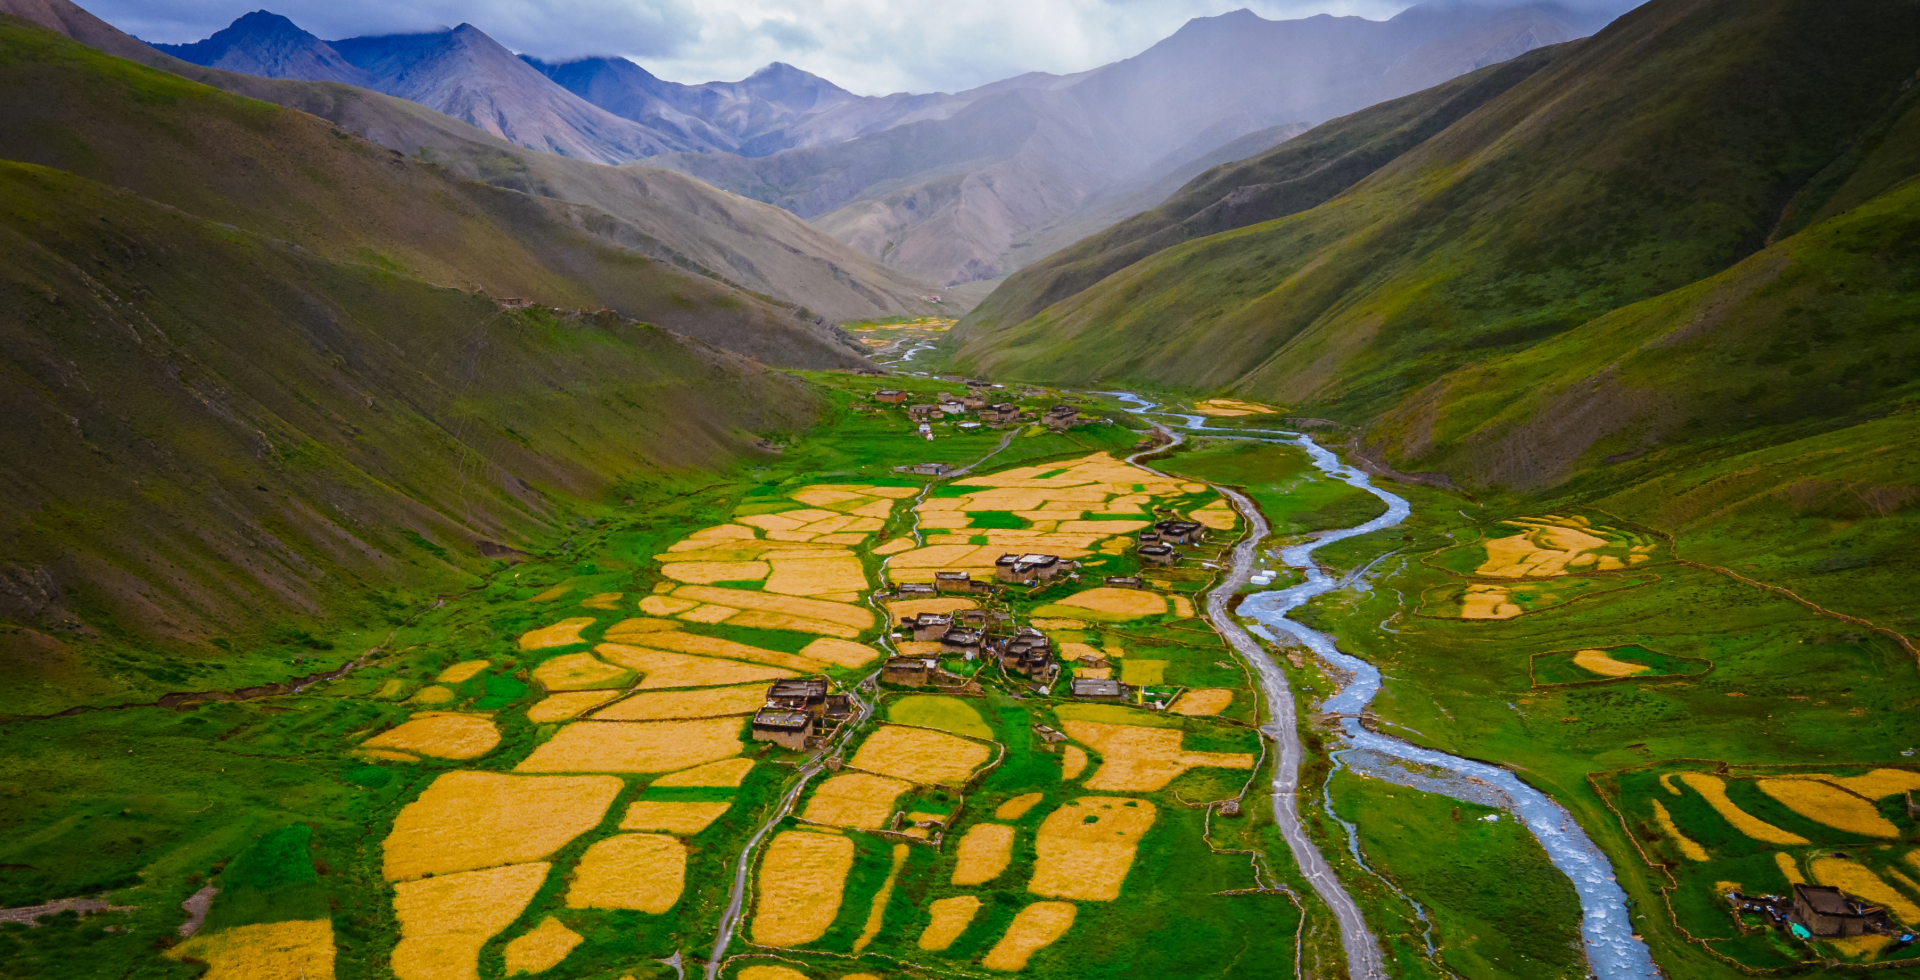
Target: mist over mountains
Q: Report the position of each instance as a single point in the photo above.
(953, 188)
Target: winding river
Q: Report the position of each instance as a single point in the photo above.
(1613, 951)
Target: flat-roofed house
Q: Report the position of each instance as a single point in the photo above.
(1830, 912)
(783, 727)
(891, 396)
(928, 626)
(1098, 689)
(952, 582)
(807, 694)
(907, 671)
(1159, 554)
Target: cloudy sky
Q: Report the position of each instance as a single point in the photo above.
(870, 46)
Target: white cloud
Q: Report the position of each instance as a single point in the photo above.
(872, 47)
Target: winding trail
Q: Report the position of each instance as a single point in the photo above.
(1613, 951)
(1363, 952)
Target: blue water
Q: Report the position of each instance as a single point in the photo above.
(1606, 923)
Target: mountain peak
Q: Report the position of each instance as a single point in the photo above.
(266, 43)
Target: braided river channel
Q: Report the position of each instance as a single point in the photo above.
(1613, 951)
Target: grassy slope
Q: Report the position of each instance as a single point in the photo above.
(217, 440)
(1648, 157)
(651, 211)
(1292, 177)
(291, 176)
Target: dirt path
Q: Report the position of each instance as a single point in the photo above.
(1363, 952)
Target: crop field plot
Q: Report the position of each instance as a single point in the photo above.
(1548, 546)
(440, 734)
(1759, 831)
(635, 746)
(1596, 665)
(1480, 601)
(580, 672)
(919, 755)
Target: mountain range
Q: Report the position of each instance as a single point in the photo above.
(951, 188)
(1607, 266)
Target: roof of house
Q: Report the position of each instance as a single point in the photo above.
(1824, 900)
(781, 718)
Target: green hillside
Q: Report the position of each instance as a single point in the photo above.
(292, 176)
(1296, 175)
(222, 444)
(1655, 154)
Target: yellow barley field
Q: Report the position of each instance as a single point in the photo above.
(984, 852)
(1118, 602)
(1086, 847)
(708, 614)
(433, 694)
(683, 818)
(877, 912)
(541, 948)
(714, 646)
(642, 872)
(1217, 516)
(469, 820)
(660, 669)
(758, 619)
(920, 755)
(1487, 602)
(726, 772)
(635, 746)
(563, 633)
(1202, 702)
(1033, 929)
(840, 653)
(894, 547)
(1666, 783)
(830, 612)
(297, 950)
(445, 920)
(606, 601)
(801, 880)
(951, 916)
(560, 707)
(1859, 881)
(580, 672)
(1714, 790)
(1073, 762)
(1137, 758)
(1542, 550)
(1017, 807)
(816, 576)
(389, 755)
(1182, 606)
(618, 632)
(723, 532)
(765, 971)
(552, 594)
(1693, 851)
(440, 734)
(463, 671)
(903, 608)
(711, 702)
(1598, 662)
(707, 572)
(854, 799)
(664, 605)
(1878, 783)
(1788, 869)
(1830, 805)
(1060, 624)
(1231, 407)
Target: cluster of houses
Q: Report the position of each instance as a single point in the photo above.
(800, 713)
(1156, 543)
(1819, 912)
(953, 406)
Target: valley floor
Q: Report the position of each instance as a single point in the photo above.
(567, 771)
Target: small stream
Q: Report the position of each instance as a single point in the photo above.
(1613, 952)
